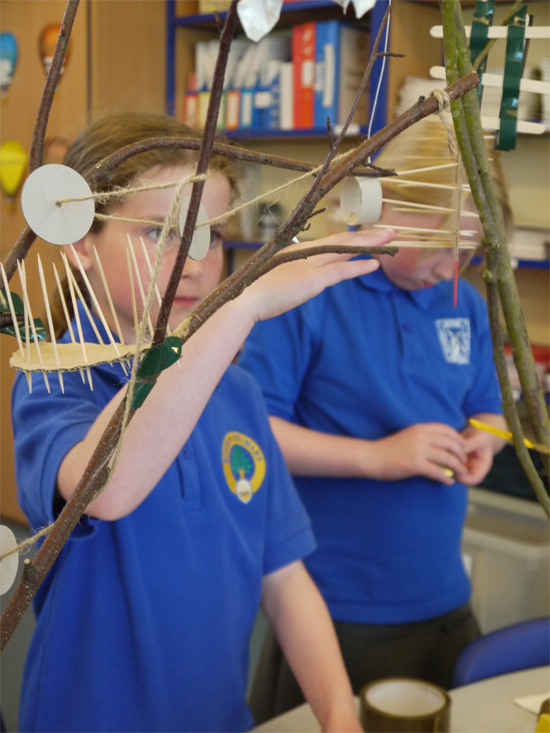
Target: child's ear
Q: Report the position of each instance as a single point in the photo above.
(79, 251)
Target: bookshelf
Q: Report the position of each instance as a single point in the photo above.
(526, 168)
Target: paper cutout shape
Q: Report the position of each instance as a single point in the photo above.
(55, 222)
(8, 61)
(10, 564)
(13, 165)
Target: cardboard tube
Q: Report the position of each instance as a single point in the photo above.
(361, 200)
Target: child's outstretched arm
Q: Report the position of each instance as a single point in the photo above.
(163, 424)
(303, 626)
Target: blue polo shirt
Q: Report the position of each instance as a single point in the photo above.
(143, 623)
(367, 359)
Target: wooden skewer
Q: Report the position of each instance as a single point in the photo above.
(50, 320)
(66, 313)
(423, 207)
(109, 298)
(421, 211)
(77, 316)
(464, 232)
(28, 375)
(12, 310)
(424, 170)
(133, 292)
(157, 291)
(140, 285)
(95, 301)
(444, 244)
(23, 279)
(424, 183)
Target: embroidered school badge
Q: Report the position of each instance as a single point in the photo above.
(243, 465)
(454, 337)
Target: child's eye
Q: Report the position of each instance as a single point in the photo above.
(215, 237)
(154, 233)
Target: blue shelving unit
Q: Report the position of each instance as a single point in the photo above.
(291, 13)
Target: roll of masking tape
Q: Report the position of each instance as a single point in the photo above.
(361, 200)
(404, 705)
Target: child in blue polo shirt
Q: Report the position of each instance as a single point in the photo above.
(144, 620)
(369, 393)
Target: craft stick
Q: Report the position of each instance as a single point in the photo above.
(424, 170)
(77, 316)
(140, 285)
(497, 81)
(133, 292)
(109, 298)
(66, 313)
(538, 32)
(50, 320)
(530, 128)
(23, 279)
(507, 435)
(157, 291)
(12, 310)
(95, 301)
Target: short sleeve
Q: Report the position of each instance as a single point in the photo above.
(46, 426)
(278, 352)
(289, 535)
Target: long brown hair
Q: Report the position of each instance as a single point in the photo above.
(109, 133)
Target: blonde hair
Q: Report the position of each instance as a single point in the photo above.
(426, 144)
(110, 133)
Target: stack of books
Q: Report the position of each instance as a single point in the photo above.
(292, 80)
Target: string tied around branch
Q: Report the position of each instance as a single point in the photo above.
(444, 104)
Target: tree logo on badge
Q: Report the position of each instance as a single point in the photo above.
(243, 465)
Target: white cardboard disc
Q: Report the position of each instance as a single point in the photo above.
(63, 224)
(361, 200)
(200, 243)
(9, 565)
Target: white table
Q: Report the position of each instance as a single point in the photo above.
(483, 707)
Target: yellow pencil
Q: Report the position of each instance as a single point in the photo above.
(508, 436)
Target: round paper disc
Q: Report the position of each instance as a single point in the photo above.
(62, 224)
(201, 238)
(9, 565)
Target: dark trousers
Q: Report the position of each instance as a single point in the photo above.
(426, 650)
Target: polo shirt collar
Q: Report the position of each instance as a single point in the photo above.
(377, 280)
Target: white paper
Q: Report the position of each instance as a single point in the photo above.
(259, 17)
(532, 703)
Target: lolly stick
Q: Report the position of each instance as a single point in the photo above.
(50, 320)
(507, 435)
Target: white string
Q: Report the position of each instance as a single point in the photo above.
(375, 103)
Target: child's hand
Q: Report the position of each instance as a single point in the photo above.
(480, 447)
(291, 284)
(426, 449)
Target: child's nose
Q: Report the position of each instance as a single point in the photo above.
(445, 266)
(192, 268)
